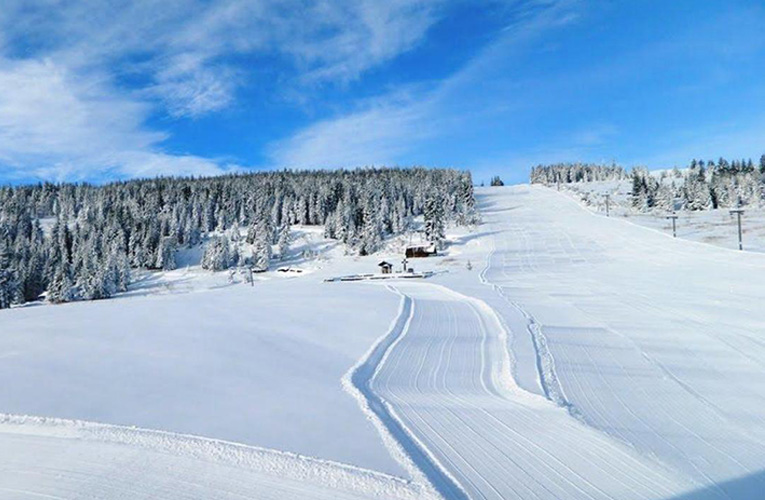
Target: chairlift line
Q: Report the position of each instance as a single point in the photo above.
(739, 212)
(673, 216)
(608, 198)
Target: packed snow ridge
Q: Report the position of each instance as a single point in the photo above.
(91, 460)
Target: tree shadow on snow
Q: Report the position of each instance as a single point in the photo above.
(493, 207)
(749, 487)
(472, 236)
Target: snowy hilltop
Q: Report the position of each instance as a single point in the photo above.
(694, 203)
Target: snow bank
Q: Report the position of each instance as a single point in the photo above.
(213, 468)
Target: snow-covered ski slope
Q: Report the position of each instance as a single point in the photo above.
(653, 343)
(446, 378)
(578, 357)
(595, 359)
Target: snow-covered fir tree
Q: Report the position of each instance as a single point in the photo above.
(645, 190)
(166, 254)
(372, 228)
(60, 288)
(9, 285)
(217, 255)
(284, 241)
(261, 250)
(696, 190)
(435, 230)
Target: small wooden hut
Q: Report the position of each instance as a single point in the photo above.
(385, 267)
(415, 251)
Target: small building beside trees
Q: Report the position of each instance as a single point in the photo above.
(414, 251)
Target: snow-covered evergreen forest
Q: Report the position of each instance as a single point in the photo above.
(702, 186)
(81, 241)
(575, 172)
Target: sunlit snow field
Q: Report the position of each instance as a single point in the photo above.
(556, 353)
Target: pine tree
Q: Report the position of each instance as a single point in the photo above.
(93, 281)
(285, 238)
(664, 197)
(466, 202)
(697, 193)
(435, 231)
(216, 256)
(60, 289)
(638, 193)
(261, 254)
(9, 285)
(252, 232)
(166, 254)
(371, 232)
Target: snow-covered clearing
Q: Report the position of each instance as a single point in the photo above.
(187, 351)
(258, 365)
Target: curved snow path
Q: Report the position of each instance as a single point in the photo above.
(403, 445)
(445, 378)
(57, 459)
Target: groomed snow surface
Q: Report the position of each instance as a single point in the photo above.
(576, 357)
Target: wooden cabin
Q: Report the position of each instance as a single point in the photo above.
(415, 251)
(385, 267)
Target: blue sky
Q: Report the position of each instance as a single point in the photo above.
(97, 90)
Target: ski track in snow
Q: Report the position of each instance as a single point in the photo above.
(65, 459)
(446, 377)
(403, 445)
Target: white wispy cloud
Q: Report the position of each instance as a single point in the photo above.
(62, 126)
(373, 135)
(49, 116)
(65, 111)
(379, 31)
(581, 108)
(183, 45)
(387, 127)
